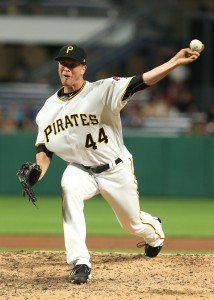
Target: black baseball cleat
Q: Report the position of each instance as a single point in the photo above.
(152, 251)
(80, 274)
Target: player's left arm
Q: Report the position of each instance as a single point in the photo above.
(43, 158)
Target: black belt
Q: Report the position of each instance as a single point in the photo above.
(103, 168)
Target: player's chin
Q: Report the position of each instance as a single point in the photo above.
(65, 80)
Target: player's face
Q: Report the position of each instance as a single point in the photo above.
(71, 74)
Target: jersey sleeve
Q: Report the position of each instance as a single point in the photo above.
(40, 139)
(115, 89)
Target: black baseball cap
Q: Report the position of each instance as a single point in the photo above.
(72, 52)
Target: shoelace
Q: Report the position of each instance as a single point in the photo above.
(141, 244)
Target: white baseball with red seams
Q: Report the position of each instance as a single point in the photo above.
(196, 45)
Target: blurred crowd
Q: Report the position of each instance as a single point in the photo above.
(16, 7)
(54, 7)
(171, 105)
(15, 117)
(44, 7)
(172, 101)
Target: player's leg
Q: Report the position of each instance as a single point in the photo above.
(77, 186)
(119, 188)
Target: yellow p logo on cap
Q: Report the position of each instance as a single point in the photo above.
(70, 48)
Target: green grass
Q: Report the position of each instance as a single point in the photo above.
(181, 217)
(19, 216)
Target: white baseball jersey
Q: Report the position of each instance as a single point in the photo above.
(85, 129)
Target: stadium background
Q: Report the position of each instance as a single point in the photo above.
(169, 129)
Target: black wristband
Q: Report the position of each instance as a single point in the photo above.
(42, 148)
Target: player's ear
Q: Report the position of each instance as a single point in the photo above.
(84, 69)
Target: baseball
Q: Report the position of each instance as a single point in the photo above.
(196, 45)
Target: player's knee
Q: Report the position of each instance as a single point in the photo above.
(134, 226)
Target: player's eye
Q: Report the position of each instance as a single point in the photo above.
(70, 65)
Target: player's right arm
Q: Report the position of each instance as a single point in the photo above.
(43, 158)
(137, 83)
(183, 57)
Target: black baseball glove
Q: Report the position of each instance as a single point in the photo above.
(28, 175)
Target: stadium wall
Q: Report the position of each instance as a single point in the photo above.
(164, 166)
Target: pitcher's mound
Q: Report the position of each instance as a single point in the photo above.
(45, 275)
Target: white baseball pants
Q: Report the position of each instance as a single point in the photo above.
(119, 187)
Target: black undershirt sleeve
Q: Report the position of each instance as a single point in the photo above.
(42, 148)
(136, 84)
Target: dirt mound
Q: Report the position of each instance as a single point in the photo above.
(45, 275)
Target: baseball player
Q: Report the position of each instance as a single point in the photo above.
(81, 124)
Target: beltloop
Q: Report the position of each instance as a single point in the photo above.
(112, 164)
(102, 168)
